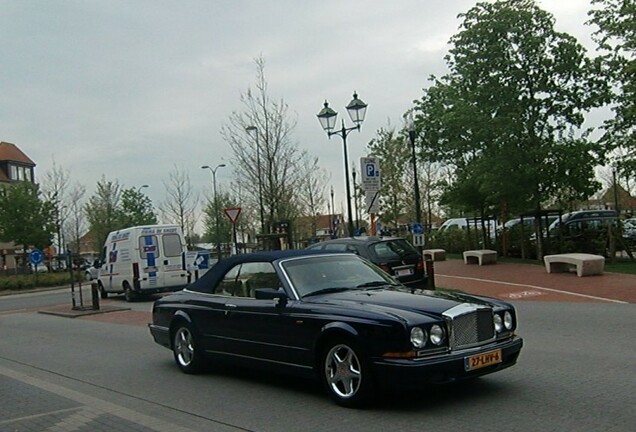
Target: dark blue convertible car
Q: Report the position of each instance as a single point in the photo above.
(336, 317)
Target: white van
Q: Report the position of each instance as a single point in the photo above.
(143, 260)
(463, 223)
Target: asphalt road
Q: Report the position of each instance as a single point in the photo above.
(576, 373)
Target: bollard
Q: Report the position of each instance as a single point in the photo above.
(430, 273)
(95, 295)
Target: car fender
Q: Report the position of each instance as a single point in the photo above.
(181, 315)
(333, 329)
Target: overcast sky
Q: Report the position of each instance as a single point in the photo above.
(130, 89)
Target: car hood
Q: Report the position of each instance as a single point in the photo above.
(431, 303)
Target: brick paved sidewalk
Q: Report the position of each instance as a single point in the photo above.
(532, 282)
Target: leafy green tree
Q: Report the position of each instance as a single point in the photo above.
(136, 208)
(506, 116)
(25, 218)
(213, 214)
(616, 38)
(103, 210)
(396, 200)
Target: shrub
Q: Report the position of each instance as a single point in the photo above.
(30, 281)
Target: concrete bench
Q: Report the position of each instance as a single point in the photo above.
(481, 256)
(586, 264)
(434, 254)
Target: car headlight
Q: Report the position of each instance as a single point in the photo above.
(507, 320)
(437, 335)
(498, 323)
(418, 337)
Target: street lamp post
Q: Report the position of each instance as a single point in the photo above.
(254, 130)
(416, 184)
(333, 212)
(216, 208)
(355, 197)
(141, 187)
(327, 117)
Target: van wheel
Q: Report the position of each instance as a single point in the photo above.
(102, 292)
(129, 295)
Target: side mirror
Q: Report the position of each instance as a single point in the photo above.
(271, 294)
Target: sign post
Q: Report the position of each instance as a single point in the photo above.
(233, 214)
(370, 169)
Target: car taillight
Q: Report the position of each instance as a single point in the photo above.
(420, 264)
(135, 271)
(385, 267)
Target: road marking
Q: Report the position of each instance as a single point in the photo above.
(539, 288)
(522, 294)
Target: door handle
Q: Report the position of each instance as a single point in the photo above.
(229, 308)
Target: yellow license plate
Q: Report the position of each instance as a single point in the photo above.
(478, 361)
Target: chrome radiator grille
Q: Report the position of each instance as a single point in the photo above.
(470, 325)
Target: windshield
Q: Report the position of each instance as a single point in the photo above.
(333, 273)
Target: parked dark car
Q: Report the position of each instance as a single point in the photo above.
(394, 255)
(335, 317)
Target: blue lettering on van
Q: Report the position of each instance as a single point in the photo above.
(120, 236)
(150, 256)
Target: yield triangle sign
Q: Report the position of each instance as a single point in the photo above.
(232, 213)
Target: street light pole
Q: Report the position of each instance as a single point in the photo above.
(333, 212)
(254, 130)
(327, 117)
(141, 187)
(355, 197)
(216, 208)
(416, 184)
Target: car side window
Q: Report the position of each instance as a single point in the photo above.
(230, 282)
(258, 275)
(244, 279)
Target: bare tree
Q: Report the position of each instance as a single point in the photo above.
(181, 202)
(268, 158)
(75, 223)
(311, 195)
(54, 186)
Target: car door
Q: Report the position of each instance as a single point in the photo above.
(260, 328)
(209, 312)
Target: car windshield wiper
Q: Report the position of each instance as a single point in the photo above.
(327, 291)
(375, 284)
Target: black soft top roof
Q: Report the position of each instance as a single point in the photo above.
(212, 277)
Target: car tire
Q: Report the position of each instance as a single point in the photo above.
(185, 347)
(102, 292)
(345, 373)
(129, 295)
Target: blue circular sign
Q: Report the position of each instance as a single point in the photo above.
(36, 256)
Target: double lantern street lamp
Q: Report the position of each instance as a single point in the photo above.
(216, 207)
(327, 117)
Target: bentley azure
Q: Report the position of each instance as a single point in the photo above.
(335, 317)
